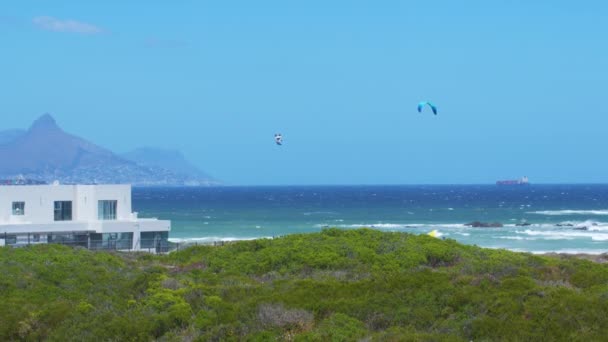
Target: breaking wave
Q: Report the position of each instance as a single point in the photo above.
(212, 239)
(515, 238)
(568, 212)
(565, 235)
(393, 225)
(572, 251)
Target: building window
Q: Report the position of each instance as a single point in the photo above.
(111, 241)
(18, 208)
(106, 210)
(156, 240)
(63, 210)
(70, 239)
(10, 239)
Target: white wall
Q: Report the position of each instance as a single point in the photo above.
(39, 210)
(39, 201)
(121, 193)
(84, 206)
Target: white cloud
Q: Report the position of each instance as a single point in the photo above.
(58, 25)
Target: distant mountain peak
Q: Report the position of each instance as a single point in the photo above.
(10, 135)
(169, 159)
(46, 152)
(45, 122)
(159, 150)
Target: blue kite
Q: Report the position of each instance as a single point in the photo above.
(424, 103)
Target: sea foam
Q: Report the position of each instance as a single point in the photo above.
(569, 212)
(565, 235)
(212, 239)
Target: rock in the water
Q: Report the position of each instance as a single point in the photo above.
(477, 224)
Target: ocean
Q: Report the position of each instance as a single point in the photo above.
(535, 218)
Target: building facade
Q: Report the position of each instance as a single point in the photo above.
(90, 216)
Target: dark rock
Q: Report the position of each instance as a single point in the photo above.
(477, 224)
(523, 224)
(581, 228)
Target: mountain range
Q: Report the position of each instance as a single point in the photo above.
(46, 152)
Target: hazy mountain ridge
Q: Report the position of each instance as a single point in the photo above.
(10, 135)
(46, 152)
(168, 159)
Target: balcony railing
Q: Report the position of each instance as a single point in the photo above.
(83, 240)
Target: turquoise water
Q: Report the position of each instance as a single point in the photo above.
(561, 218)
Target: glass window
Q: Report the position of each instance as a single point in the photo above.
(63, 210)
(106, 210)
(11, 239)
(112, 241)
(124, 241)
(96, 241)
(154, 239)
(18, 208)
(70, 239)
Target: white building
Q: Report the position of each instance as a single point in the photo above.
(91, 216)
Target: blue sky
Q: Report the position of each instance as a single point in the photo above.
(519, 85)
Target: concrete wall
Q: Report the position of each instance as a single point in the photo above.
(39, 216)
(39, 201)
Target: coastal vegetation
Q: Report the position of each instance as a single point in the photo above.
(335, 285)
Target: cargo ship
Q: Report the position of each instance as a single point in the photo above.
(521, 181)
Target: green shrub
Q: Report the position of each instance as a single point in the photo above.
(336, 285)
(340, 327)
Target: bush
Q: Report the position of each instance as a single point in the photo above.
(277, 316)
(358, 284)
(339, 327)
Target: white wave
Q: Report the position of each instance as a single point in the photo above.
(452, 225)
(559, 251)
(393, 225)
(437, 225)
(521, 250)
(514, 238)
(565, 235)
(212, 239)
(370, 225)
(573, 251)
(569, 212)
(592, 226)
(385, 225)
(589, 224)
